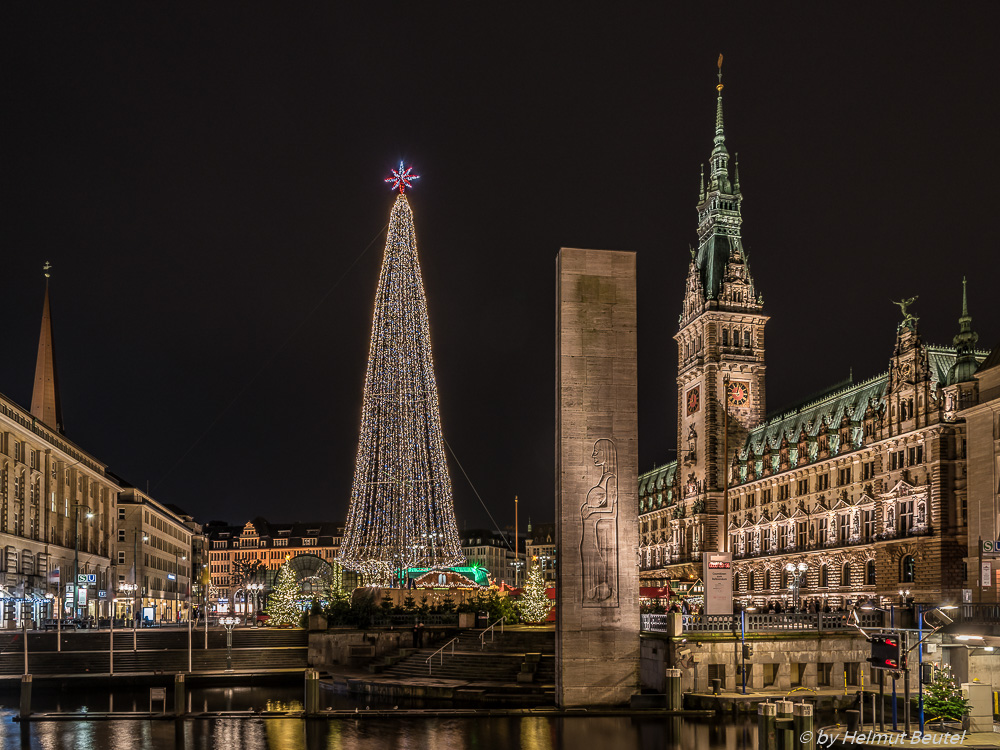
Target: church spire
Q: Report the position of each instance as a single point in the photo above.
(965, 341)
(719, 176)
(45, 394)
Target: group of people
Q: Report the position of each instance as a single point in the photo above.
(686, 608)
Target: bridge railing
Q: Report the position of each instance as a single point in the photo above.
(763, 622)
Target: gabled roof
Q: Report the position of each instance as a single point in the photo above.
(658, 479)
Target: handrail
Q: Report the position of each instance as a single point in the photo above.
(482, 636)
(441, 651)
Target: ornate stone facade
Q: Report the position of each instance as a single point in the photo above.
(865, 484)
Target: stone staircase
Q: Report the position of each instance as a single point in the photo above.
(517, 656)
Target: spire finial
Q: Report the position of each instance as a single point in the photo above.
(48, 267)
(719, 87)
(965, 304)
(701, 184)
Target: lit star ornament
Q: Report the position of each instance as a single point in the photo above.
(401, 178)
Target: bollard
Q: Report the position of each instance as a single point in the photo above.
(674, 690)
(716, 685)
(853, 719)
(783, 724)
(804, 723)
(25, 696)
(312, 692)
(180, 700)
(766, 737)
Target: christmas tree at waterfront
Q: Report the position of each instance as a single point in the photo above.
(402, 514)
(283, 604)
(534, 604)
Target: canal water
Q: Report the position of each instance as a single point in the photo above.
(404, 733)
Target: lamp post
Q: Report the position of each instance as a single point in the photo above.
(136, 589)
(177, 584)
(796, 572)
(255, 589)
(229, 622)
(76, 555)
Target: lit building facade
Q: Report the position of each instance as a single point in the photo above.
(231, 549)
(57, 508)
(153, 552)
(540, 547)
(865, 487)
(491, 551)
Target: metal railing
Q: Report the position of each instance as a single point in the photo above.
(412, 618)
(482, 636)
(440, 654)
(762, 622)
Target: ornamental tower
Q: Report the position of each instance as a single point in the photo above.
(402, 514)
(720, 344)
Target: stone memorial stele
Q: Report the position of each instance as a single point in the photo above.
(597, 614)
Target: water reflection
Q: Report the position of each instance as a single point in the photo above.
(403, 733)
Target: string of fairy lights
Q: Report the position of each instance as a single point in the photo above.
(402, 513)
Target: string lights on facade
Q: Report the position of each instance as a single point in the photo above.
(402, 513)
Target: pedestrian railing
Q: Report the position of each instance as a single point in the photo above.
(440, 654)
(412, 618)
(490, 630)
(763, 622)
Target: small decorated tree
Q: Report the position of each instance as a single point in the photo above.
(943, 697)
(283, 605)
(534, 604)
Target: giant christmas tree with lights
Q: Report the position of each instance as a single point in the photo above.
(402, 514)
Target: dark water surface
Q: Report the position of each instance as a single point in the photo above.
(405, 733)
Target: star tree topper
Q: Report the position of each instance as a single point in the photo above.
(401, 178)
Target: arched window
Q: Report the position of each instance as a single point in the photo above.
(870, 573)
(845, 575)
(824, 576)
(753, 580)
(746, 339)
(725, 337)
(767, 580)
(907, 569)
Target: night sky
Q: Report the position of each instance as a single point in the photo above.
(208, 184)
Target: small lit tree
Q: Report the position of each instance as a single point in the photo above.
(283, 606)
(943, 697)
(534, 604)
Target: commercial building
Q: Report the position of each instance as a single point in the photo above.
(153, 558)
(239, 556)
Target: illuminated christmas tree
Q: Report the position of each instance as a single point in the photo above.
(402, 513)
(283, 603)
(534, 604)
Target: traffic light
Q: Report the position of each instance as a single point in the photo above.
(747, 651)
(885, 652)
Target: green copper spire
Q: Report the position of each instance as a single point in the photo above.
(965, 363)
(719, 220)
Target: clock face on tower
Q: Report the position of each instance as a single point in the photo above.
(693, 400)
(739, 393)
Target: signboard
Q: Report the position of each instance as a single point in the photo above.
(81, 597)
(102, 594)
(966, 596)
(717, 573)
(986, 576)
(171, 577)
(85, 578)
(988, 545)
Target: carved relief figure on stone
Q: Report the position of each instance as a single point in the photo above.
(599, 548)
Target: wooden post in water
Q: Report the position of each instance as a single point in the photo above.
(25, 711)
(783, 724)
(804, 726)
(766, 736)
(674, 690)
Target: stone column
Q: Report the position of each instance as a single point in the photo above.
(597, 627)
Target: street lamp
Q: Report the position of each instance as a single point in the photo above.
(76, 556)
(796, 572)
(177, 584)
(136, 589)
(255, 589)
(229, 622)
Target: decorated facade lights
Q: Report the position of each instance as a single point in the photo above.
(402, 512)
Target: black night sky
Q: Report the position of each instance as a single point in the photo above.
(206, 181)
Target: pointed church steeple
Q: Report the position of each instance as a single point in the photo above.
(965, 341)
(45, 394)
(721, 258)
